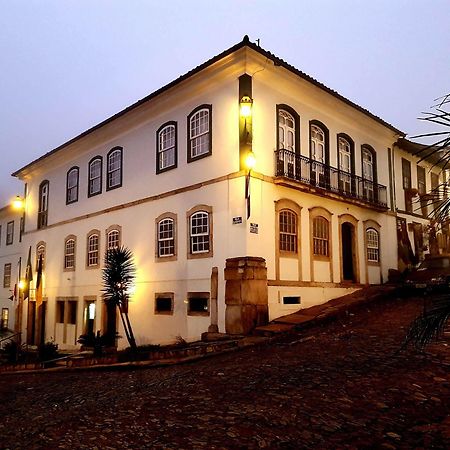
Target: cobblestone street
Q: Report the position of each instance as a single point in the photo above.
(340, 386)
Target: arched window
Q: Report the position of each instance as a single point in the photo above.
(43, 204)
(69, 253)
(114, 168)
(166, 237)
(369, 173)
(166, 157)
(288, 231)
(286, 131)
(318, 154)
(321, 236)
(199, 128)
(113, 238)
(373, 245)
(72, 185)
(95, 176)
(40, 253)
(93, 249)
(345, 164)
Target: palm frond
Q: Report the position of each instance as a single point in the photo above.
(430, 324)
(118, 274)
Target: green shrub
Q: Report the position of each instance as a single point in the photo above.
(48, 351)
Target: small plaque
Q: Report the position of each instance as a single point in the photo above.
(253, 228)
(237, 220)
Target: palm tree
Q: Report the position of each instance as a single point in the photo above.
(431, 323)
(118, 276)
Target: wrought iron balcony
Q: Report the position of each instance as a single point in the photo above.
(318, 175)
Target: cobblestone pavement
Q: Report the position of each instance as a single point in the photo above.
(343, 388)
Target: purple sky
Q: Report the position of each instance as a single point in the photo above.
(67, 65)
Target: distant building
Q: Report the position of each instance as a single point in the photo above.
(167, 177)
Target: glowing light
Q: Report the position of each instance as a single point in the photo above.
(18, 203)
(250, 161)
(21, 284)
(246, 106)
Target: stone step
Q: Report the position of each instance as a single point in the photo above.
(273, 328)
(295, 319)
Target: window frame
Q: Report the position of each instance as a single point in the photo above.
(321, 239)
(164, 295)
(39, 245)
(195, 210)
(203, 295)
(326, 141)
(291, 111)
(96, 252)
(114, 150)
(111, 229)
(42, 215)
(160, 130)
(10, 233)
(7, 276)
(66, 254)
(374, 248)
(283, 251)
(100, 177)
(191, 115)
(75, 187)
(158, 220)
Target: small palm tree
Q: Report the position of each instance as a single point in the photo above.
(118, 276)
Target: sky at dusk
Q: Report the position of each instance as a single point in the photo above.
(67, 65)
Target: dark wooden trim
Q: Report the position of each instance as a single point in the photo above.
(352, 151)
(98, 157)
(110, 188)
(375, 162)
(175, 164)
(326, 133)
(188, 147)
(67, 184)
(296, 117)
(245, 123)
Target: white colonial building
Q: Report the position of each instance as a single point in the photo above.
(167, 178)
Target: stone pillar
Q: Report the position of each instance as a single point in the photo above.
(246, 294)
(214, 327)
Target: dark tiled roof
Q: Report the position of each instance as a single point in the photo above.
(245, 42)
(435, 155)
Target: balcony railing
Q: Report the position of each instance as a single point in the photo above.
(305, 170)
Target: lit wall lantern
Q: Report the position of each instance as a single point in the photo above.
(250, 161)
(246, 106)
(18, 203)
(21, 285)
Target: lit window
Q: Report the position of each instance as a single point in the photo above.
(72, 185)
(95, 176)
(114, 170)
(321, 236)
(9, 233)
(93, 250)
(199, 133)
(166, 238)
(69, 254)
(167, 141)
(373, 249)
(7, 276)
(286, 131)
(199, 230)
(43, 204)
(288, 231)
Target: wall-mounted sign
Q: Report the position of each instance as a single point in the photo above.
(237, 220)
(253, 228)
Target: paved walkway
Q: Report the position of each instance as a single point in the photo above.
(339, 385)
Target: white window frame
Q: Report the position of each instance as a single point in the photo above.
(288, 231)
(167, 143)
(95, 177)
(285, 131)
(114, 169)
(10, 233)
(373, 245)
(199, 133)
(166, 237)
(69, 253)
(321, 236)
(113, 239)
(199, 239)
(72, 185)
(93, 250)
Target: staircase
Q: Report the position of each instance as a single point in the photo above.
(314, 315)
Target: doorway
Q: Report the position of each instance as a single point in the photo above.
(347, 246)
